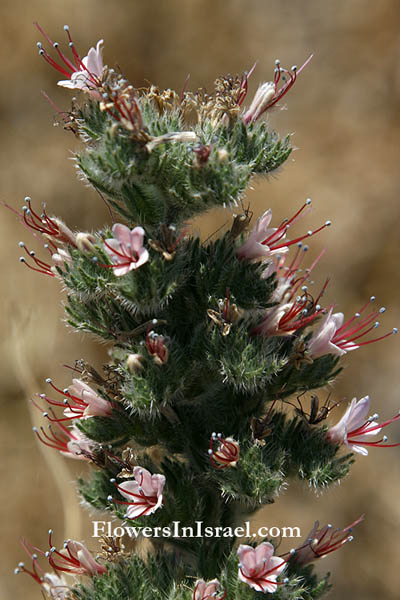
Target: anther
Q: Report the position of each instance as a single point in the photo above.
(328, 223)
(382, 310)
(48, 380)
(66, 28)
(21, 564)
(21, 259)
(308, 201)
(395, 330)
(372, 299)
(112, 480)
(110, 498)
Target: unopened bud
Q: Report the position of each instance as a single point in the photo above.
(134, 363)
(84, 242)
(65, 234)
(261, 100)
(222, 155)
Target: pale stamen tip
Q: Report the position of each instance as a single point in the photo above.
(395, 330)
(48, 380)
(66, 28)
(112, 480)
(110, 498)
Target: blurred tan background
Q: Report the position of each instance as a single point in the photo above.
(344, 114)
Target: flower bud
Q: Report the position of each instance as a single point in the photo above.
(84, 242)
(260, 103)
(134, 363)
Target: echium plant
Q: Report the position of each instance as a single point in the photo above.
(211, 344)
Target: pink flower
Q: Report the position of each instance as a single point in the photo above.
(69, 442)
(56, 587)
(79, 402)
(74, 558)
(61, 258)
(321, 542)
(264, 241)
(268, 94)
(206, 590)
(82, 73)
(259, 568)
(355, 428)
(227, 453)
(87, 77)
(126, 249)
(335, 337)
(286, 318)
(144, 494)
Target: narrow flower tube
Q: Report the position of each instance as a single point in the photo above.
(355, 428)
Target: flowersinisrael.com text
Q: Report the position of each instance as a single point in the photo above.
(199, 530)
